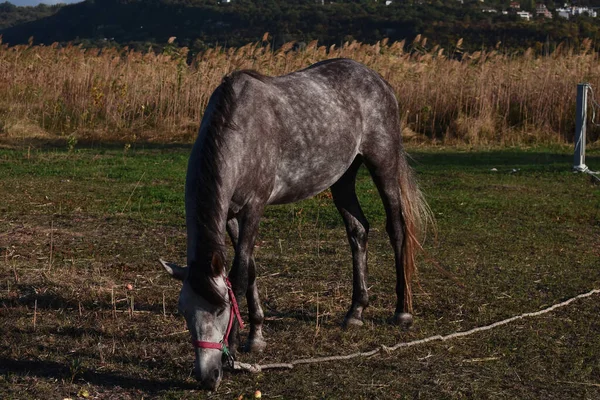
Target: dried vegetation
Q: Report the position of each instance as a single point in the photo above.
(445, 94)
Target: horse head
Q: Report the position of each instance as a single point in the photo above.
(209, 321)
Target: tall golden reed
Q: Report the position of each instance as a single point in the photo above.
(109, 94)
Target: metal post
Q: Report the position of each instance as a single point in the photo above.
(579, 157)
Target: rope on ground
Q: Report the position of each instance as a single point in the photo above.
(255, 368)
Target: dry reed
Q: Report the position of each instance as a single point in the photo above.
(110, 94)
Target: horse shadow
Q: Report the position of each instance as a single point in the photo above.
(282, 319)
(56, 370)
(52, 300)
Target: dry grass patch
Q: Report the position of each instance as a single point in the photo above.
(129, 96)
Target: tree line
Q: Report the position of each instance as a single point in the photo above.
(199, 24)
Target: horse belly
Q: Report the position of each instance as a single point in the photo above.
(300, 179)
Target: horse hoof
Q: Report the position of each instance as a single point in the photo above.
(256, 346)
(348, 322)
(405, 320)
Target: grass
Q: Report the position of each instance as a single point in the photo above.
(78, 224)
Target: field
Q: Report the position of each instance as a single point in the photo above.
(81, 221)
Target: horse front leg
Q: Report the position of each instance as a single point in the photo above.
(243, 278)
(256, 340)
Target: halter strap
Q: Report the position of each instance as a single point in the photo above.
(235, 311)
(199, 344)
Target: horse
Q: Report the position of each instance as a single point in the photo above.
(273, 140)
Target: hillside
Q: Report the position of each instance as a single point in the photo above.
(11, 15)
(198, 24)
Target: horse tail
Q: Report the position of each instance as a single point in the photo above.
(417, 217)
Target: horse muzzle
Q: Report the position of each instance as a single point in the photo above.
(209, 379)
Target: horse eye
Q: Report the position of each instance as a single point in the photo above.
(220, 312)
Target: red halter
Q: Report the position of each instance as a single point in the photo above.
(222, 345)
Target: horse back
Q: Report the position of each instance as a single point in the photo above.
(300, 132)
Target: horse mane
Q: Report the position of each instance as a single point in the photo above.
(202, 274)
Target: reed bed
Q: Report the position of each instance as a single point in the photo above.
(120, 94)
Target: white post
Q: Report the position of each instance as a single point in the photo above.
(580, 123)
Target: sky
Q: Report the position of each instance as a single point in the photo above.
(36, 2)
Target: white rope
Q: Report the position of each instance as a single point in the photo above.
(255, 368)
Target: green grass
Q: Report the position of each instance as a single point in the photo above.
(77, 226)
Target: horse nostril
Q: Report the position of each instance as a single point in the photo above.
(216, 374)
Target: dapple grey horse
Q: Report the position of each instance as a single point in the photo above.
(272, 140)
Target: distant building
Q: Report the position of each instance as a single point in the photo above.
(525, 15)
(541, 10)
(515, 6)
(568, 11)
(489, 10)
(584, 10)
(563, 13)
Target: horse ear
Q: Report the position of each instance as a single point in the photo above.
(177, 272)
(217, 263)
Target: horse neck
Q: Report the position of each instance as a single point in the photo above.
(207, 207)
(204, 243)
(209, 180)
(205, 230)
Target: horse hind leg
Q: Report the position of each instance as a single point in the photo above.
(357, 229)
(388, 185)
(256, 341)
